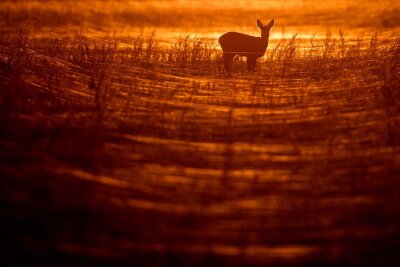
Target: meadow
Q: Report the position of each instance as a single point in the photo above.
(127, 150)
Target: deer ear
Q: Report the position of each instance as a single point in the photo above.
(271, 24)
(259, 24)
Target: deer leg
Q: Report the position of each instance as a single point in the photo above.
(228, 57)
(254, 64)
(248, 63)
(251, 63)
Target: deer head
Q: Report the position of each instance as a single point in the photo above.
(265, 29)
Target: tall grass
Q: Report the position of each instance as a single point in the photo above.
(97, 60)
(43, 76)
(139, 131)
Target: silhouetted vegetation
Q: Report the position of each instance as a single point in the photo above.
(122, 144)
(139, 153)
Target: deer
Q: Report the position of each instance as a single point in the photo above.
(252, 47)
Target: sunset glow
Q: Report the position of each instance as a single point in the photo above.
(200, 133)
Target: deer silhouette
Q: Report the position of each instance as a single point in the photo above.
(252, 47)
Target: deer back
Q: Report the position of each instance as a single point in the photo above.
(242, 44)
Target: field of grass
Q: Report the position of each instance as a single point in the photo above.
(120, 149)
(146, 155)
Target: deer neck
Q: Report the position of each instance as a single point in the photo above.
(264, 42)
(265, 38)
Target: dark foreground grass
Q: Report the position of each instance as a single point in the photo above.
(143, 155)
